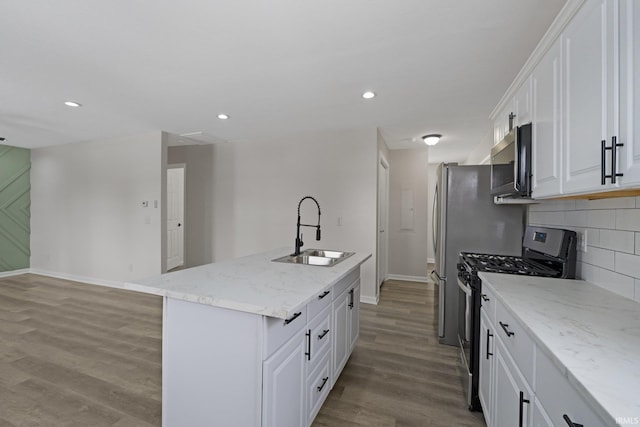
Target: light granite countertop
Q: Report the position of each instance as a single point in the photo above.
(591, 334)
(253, 284)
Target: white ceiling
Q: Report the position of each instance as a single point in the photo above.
(275, 66)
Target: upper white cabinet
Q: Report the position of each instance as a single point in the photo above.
(589, 94)
(584, 89)
(547, 124)
(629, 125)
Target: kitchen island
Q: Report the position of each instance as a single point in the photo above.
(254, 342)
(573, 349)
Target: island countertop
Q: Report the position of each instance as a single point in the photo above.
(253, 284)
(592, 335)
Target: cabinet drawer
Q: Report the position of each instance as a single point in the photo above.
(320, 336)
(559, 398)
(516, 340)
(278, 331)
(319, 385)
(322, 300)
(345, 282)
(488, 303)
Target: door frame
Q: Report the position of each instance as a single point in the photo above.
(182, 166)
(382, 230)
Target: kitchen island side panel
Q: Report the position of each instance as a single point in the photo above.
(212, 366)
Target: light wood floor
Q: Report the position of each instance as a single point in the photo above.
(73, 354)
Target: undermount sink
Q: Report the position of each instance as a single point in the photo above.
(318, 257)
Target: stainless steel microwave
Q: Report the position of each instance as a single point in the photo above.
(511, 164)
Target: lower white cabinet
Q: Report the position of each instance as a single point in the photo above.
(227, 367)
(519, 385)
(284, 385)
(485, 378)
(512, 394)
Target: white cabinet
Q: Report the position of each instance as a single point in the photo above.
(501, 121)
(512, 394)
(346, 324)
(284, 385)
(485, 378)
(522, 104)
(629, 125)
(540, 417)
(546, 124)
(589, 93)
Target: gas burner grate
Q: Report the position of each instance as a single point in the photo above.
(507, 264)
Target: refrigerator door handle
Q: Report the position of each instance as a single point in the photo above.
(434, 240)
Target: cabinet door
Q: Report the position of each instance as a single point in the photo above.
(540, 417)
(522, 104)
(284, 385)
(501, 122)
(629, 131)
(485, 375)
(341, 335)
(546, 127)
(512, 394)
(354, 317)
(589, 78)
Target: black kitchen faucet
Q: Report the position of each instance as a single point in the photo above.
(299, 241)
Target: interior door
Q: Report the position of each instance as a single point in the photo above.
(383, 210)
(175, 216)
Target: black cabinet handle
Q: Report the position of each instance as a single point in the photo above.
(485, 298)
(308, 352)
(294, 317)
(522, 402)
(489, 335)
(571, 423)
(603, 172)
(351, 298)
(321, 386)
(505, 327)
(614, 155)
(324, 294)
(323, 334)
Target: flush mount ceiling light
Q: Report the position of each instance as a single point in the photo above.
(368, 95)
(72, 104)
(223, 116)
(431, 139)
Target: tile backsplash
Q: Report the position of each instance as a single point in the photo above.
(611, 230)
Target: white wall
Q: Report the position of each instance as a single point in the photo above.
(408, 239)
(612, 227)
(198, 210)
(87, 218)
(258, 184)
(481, 152)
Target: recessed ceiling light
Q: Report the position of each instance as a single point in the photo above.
(72, 104)
(223, 116)
(431, 139)
(368, 95)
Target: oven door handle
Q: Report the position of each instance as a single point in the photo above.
(463, 287)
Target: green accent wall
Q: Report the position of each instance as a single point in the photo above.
(15, 207)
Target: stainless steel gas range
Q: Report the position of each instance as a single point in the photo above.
(546, 252)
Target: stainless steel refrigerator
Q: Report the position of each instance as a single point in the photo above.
(465, 219)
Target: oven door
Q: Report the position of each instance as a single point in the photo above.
(465, 329)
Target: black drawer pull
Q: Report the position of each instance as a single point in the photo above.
(489, 335)
(505, 327)
(571, 423)
(603, 173)
(522, 402)
(324, 294)
(323, 334)
(351, 298)
(485, 298)
(308, 352)
(321, 386)
(295, 316)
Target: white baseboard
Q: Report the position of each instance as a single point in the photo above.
(15, 272)
(421, 279)
(431, 260)
(82, 279)
(370, 300)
